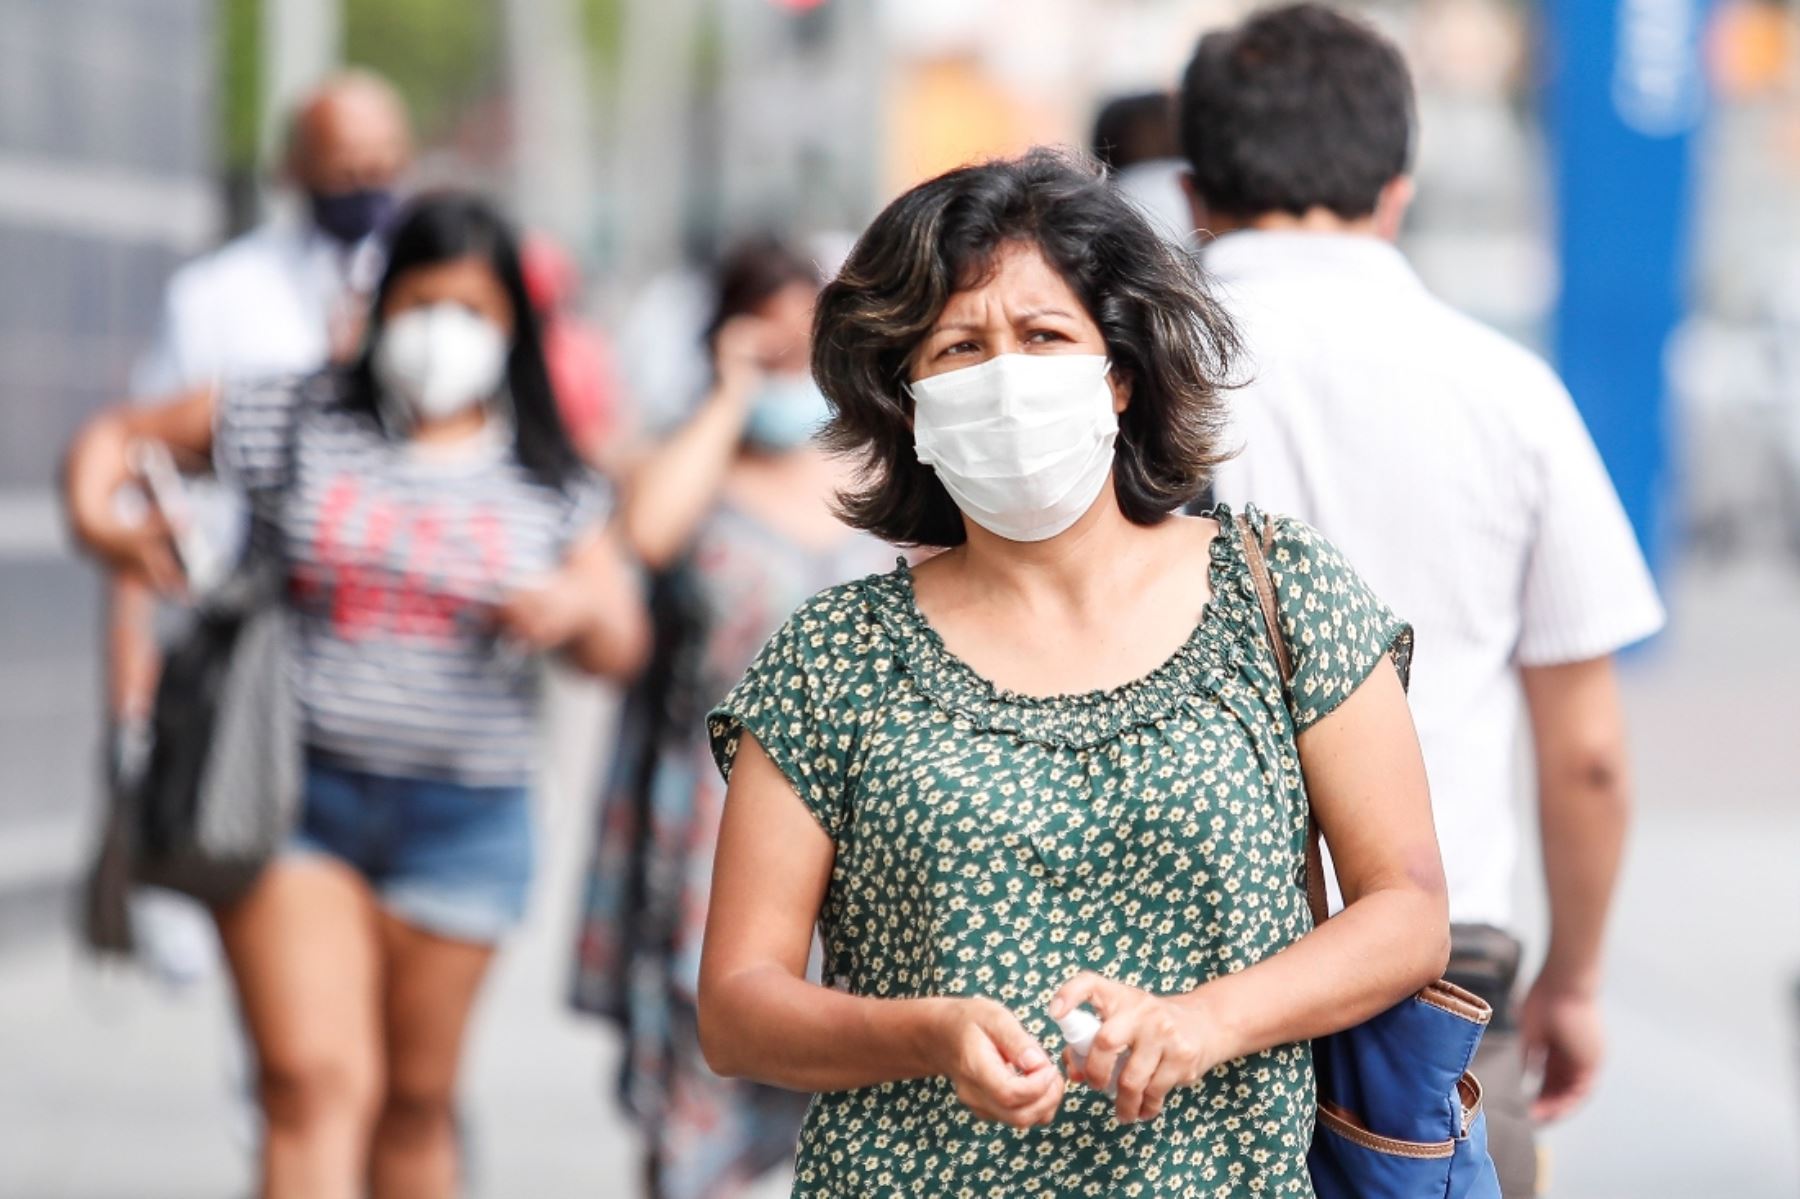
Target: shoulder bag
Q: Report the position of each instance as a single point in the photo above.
(1399, 1114)
(221, 789)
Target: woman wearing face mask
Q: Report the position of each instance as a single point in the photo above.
(1053, 766)
(437, 533)
(734, 512)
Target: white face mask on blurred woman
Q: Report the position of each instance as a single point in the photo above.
(1023, 442)
(436, 362)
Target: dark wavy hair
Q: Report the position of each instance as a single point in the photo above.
(442, 227)
(1163, 331)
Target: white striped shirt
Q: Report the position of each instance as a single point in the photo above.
(1453, 470)
(396, 558)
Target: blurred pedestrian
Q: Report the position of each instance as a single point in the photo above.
(437, 533)
(582, 367)
(1053, 766)
(286, 297)
(1453, 468)
(735, 513)
(1134, 139)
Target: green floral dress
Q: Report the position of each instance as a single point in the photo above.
(995, 844)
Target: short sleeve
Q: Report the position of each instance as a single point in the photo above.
(1587, 589)
(1337, 629)
(801, 700)
(254, 427)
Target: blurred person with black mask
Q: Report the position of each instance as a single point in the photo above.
(437, 537)
(1453, 467)
(287, 297)
(734, 512)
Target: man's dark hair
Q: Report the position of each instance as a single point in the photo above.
(1298, 108)
(1136, 128)
(1163, 331)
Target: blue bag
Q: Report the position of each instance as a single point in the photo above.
(1399, 1114)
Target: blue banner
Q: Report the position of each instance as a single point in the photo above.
(1624, 92)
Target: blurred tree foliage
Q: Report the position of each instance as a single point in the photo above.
(443, 57)
(603, 22)
(239, 109)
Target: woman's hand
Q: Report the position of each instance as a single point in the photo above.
(1168, 1042)
(550, 615)
(739, 349)
(1000, 1071)
(143, 550)
(134, 540)
(591, 610)
(99, 464)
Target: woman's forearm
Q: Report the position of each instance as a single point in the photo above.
(98, 461)
(96, 466)
(674, 487)
(614, 641)
(764, 1024)
(1380, 949)
(615, 645)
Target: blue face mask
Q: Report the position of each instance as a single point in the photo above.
(351, 216)
(785, 414)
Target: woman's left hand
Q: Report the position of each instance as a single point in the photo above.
(548, 616)
(1169, 1043)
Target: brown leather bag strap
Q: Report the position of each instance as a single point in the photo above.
(1256, 553)
(1257, 548)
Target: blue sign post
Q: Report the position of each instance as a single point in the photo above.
(1625, 90)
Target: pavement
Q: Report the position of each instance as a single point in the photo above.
(1699, 1100)
(113, 1088)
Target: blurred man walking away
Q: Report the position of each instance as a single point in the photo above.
(286, 297)
(1392, 423)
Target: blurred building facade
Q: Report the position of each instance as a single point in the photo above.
(105, 185)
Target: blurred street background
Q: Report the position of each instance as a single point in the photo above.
(1614, 182)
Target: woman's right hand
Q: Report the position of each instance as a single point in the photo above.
(99, 464)
(136, 545)
(1000, 1071)
(144, 551)
(738, 352)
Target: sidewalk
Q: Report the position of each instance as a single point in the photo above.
(1700, 1096)
(112, 1090)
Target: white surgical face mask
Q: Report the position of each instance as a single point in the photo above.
(1023, 443)
(432, 363)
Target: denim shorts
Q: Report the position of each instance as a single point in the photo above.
(446, 857)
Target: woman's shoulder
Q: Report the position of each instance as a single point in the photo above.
(845, 616)
(1335, 624)
(1295, 550)
(1309, 565)
(829, 659)
(261, 423)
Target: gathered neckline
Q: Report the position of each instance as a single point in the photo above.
(1211, 654)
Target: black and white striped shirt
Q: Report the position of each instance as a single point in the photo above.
(396, 557)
